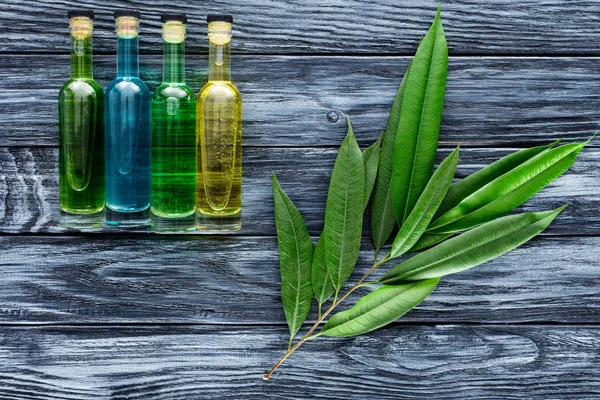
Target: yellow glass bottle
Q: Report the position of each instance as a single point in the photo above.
(219, 137)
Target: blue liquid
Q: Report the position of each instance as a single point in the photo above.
(128, 134)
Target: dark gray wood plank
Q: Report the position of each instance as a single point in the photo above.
(500, 102)
(29, 188)
(401, 362)
(235, 281)
(295, 26)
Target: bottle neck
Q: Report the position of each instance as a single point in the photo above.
(219, 68)
(173, 62)
(81, 58)
(128, 57)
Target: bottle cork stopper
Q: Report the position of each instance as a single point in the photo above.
(81, 27)
(219, 32)
(174, 31)
(127, 27)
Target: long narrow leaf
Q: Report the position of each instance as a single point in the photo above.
(295, 258)
(344, 211)
(371, 160)
(472, 248)
(418, 129)
(429, 239)
(426, 206)
(467, 186)
(321, 281)
(382, 215)
(508, 191)
(378, 308)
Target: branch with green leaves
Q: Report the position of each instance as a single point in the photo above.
(450, 226)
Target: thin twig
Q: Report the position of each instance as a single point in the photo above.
(336, 302)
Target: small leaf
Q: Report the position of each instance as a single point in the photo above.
(509, 190)
(371, 160)
(426, 206)
(321, 281)
(472, 248)
(416, 142)
(382, 215)
(295, 258)
(344, 211)
(467, 186)
(378, 308)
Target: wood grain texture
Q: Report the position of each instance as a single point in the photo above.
(399, 362)
(332, 26)
(235, 281)
(499, 102)
(29, 188)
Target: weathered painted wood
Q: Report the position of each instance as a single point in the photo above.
(499, 102)
(401, 362)
(29, 188)
(295, 26)
(236, 281)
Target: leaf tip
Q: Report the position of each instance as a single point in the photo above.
(592, 138)
(561, 208)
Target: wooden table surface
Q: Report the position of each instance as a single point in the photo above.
(132, 315)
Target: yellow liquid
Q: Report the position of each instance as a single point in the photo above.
(219, 162)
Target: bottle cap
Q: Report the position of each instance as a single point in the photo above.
(81, 13)
(219, 18)
(173, 17)
(127, 13)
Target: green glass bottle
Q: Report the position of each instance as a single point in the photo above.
(81, 133)
(219, 130)
(173, 136)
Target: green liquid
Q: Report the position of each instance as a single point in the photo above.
(173, 140)
(81, 136)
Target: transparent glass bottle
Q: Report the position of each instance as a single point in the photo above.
(173, 136)
(127, 125)
(81, 133)
(219, 130)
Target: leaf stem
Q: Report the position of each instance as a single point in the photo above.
(322, 317)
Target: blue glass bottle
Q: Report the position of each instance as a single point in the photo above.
(128, 132)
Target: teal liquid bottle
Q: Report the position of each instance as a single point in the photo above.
(219, 130)
(127, 125)
(81, 133)
(173, 136)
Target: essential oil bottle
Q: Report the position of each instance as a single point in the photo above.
(127, 140)
(219, 130)
(173, 136)
(81, 133)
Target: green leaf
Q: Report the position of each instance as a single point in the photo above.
(467, 186)
(472, 248)
(509, 190)
(295, 259)
(344, 211)
(382, 215)
(321, 281)
(378, 308)
(416, 142)
(429, 239)
(371, 160)
(426, 206)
